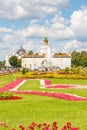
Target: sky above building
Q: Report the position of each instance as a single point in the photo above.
(27, 22)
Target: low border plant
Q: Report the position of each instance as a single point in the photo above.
(6, 94)
(43, 126)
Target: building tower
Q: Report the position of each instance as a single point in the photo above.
(45, 41)
(7, 64)
(45, 47)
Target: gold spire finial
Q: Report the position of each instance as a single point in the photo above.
(45, 39)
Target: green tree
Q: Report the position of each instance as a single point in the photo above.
(24, 71)
(19, 63)
(30, 52)
(2, 64)
(83, 59)
(36, 53)
(14, 61)
(79, 58)
(75, 58)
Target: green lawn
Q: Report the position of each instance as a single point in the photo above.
(69, 81)
(6, 79)
(44, 109)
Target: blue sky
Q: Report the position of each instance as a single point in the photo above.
(26, 23)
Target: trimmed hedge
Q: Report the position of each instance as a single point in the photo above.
(51, 75)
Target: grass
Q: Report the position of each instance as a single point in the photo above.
(35, 86)
(42, 109)
(6, 79)
(69, 81)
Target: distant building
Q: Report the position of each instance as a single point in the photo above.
(21, 52)
(45, 58)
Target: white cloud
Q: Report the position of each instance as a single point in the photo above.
(33, 31)
(5, 30)
(19, 9)
(20, 12)
(45, 19)
(59, 29)
(74, 45)
(55, 29)
(7, 38)
(58, 18)
(70, 46)
(31, 46)
(79, 24)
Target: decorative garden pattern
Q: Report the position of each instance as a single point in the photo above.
(7, 92)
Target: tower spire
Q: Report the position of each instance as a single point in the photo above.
(45, 41)
(45, 37)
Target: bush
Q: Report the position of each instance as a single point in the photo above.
(6, 94)
(24, 71)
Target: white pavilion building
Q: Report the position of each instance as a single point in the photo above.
(46, 58)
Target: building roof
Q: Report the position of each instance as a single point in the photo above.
(33, 56)
(21, 51)
(43, 56)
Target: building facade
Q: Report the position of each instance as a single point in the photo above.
(46, 59)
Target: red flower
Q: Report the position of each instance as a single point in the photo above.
(32, 125)
(54, 123)
(54, 95)
(39, 125)
(75, 129)
(64, 128)
(21, 127)
(68, 125)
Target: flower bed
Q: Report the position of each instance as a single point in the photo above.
(11, 85)
(43, 126)
(49, 85)
(54, 95)
(61, 86)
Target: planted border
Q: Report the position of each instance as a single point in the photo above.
(43, 126)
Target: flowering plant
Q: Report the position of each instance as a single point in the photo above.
(7, 95)
(43, 126)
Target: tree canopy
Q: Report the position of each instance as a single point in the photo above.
(2, 64)
(30, 52)
(79, 58)
(15, 62)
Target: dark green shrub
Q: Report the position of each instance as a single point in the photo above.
(24, 71)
